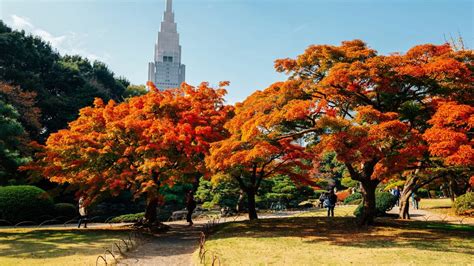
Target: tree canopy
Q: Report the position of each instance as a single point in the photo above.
(62, 84)
(139, 145)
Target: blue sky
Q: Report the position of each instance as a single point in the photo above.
(235, 40)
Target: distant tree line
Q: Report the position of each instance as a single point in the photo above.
(42, 91)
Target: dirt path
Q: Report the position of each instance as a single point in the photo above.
(174, 247)
(426, 215)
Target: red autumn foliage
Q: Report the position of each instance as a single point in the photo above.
(139, 145)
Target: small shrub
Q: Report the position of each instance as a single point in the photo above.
(342, 195)
(384, 201)
(423, 193)
(128, 218)
(65, 209)
(208, 205)
(24, 203)
(351, 198)
(464, 204)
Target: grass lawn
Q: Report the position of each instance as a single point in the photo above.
(55, 246)
(336, 241)
(435, 203)
(439, 206)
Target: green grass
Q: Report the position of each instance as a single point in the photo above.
(338, 241)
(435, 203)
(55, 246)
(438, 206)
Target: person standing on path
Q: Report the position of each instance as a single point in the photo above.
(415, 199)
(190, 206)
(330, 202)
(82, 213)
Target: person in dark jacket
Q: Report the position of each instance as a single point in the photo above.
(190, 206)
(330, 202)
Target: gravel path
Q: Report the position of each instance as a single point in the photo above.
(426, 215)
(174, 247)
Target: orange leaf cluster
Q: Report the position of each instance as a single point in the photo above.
(449, 137)
(140, 144)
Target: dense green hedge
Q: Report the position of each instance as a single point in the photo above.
(353, 197)
(464, 204)
(128, 218)
(25, 203)
(423, 193)
(384, 201)
(66, 209)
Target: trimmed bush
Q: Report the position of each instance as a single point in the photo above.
(128, 218)
(24, 203)
(66, 209)
(342, 195)
(464, 204)
(384, 201)
(351, 198)
(423, 193)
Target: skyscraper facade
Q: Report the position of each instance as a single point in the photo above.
(166, 71)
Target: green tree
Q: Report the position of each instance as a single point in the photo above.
(12, 136)
(63, 84)
(134, 90)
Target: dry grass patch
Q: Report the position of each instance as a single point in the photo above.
(336, 241)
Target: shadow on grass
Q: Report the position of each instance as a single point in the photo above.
(343, 231)
(55, 243)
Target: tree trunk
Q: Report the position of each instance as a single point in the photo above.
(251, 204)
(404, 211)
(368, 194)
(451, 191)
(150, 213)
(240, 201)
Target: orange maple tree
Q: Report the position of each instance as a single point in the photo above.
(450, 136)
(252, 153)
(25, 103)
(368, 108)
(138, 145)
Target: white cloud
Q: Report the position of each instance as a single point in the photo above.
(20, 23)
(56, 42)
(70, 43)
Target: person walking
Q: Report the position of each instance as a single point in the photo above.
(190, 206)
(415, 199)
(396, 194)
(82, 213)
(322, 197)
(330, 202)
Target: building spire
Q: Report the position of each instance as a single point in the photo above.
(169, 5)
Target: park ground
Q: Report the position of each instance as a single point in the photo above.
(55, 246)
(306, 238)
(312, 239)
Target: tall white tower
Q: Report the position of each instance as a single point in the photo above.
(167, 71)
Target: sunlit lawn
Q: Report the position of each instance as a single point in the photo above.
(439, 206)
(54, 246)
(435, 203)
(339, 241)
